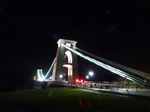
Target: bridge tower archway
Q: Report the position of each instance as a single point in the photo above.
(66, 62)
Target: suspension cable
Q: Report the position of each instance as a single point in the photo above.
(40, 75)
(125, 68)
(50, 68)
(108, 67)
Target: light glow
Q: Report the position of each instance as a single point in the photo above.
(69, 55)
(67, 65)
(69, 69)
(40, 76)
(91, 73)
(77, 80)
(61, 76)
(34, 77)
(68, 44)
(87, 77)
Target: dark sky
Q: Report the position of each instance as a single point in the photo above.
(118, 30)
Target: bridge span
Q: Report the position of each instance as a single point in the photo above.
(65, 65)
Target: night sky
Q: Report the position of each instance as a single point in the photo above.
(117, 30)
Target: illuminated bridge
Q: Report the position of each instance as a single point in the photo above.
(65, 64)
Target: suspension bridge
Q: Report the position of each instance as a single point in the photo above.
(65, 64)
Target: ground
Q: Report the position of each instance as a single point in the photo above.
(67, 100)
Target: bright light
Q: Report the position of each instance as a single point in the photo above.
(40, 79)
(61, 76)
(81, 80)
(91, 73)
(69, 69)
(40, 76)
(67, 65)
(87, 77)
(69, 55)
(34, 77)
(50, 77)
(77, 80)
(68, 44)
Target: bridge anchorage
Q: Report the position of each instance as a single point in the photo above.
(65, 66)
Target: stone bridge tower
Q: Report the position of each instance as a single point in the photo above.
(66, 62)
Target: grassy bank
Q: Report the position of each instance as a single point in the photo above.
(67, 100)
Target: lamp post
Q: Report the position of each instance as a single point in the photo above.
(91, 74)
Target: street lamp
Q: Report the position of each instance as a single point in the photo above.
(87, 77)
(91, 73)
(61, 76)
